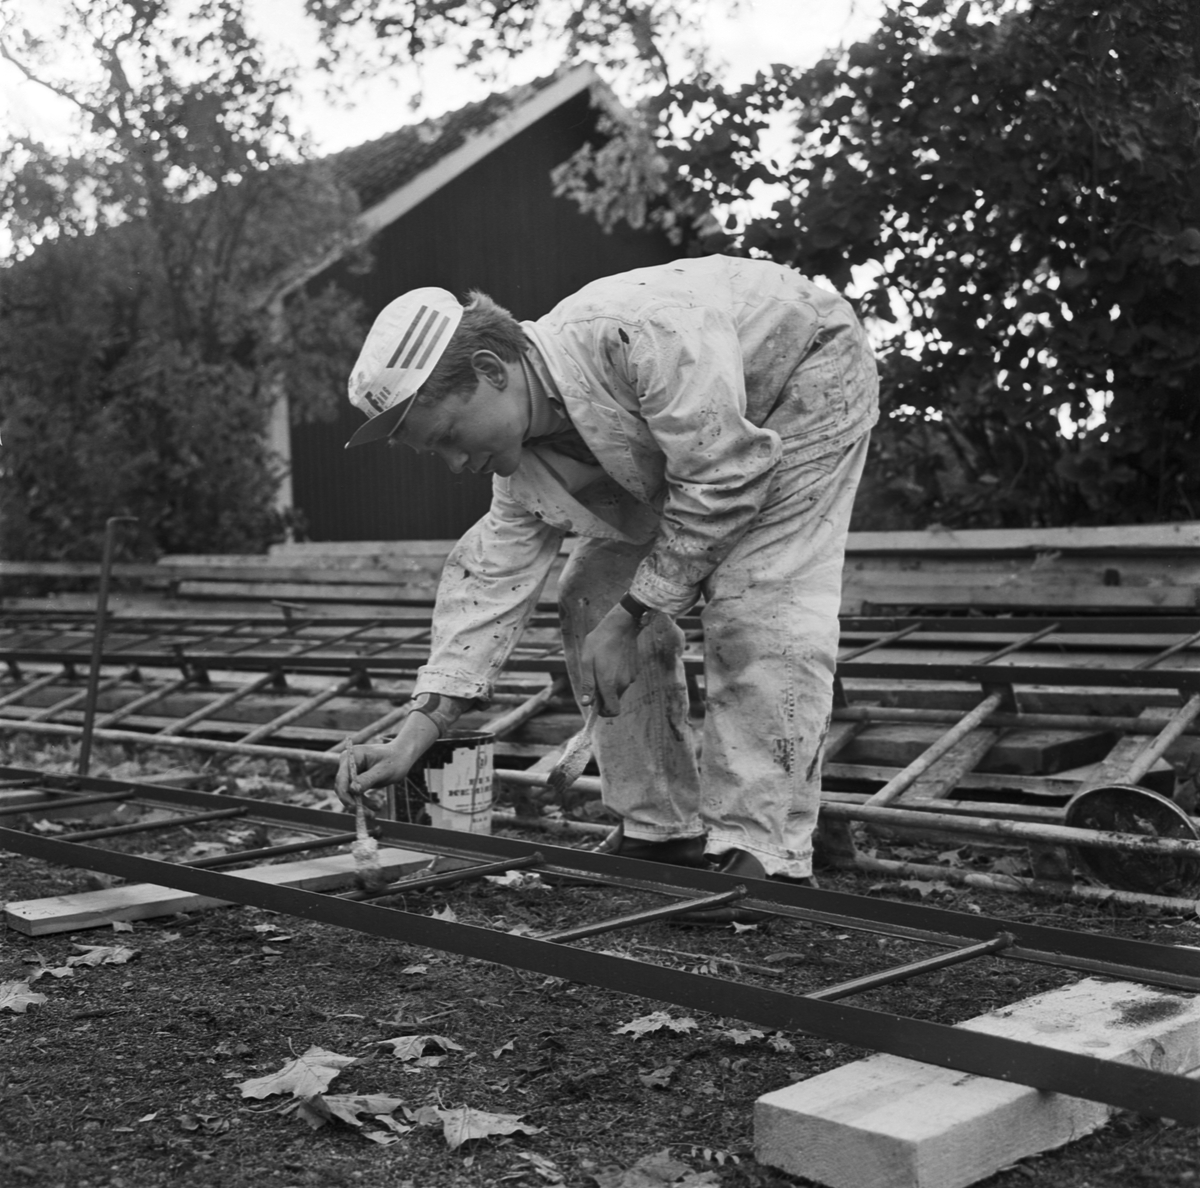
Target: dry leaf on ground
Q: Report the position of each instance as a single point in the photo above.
(644, 1024)
(463, 1124)
(411, 1047)
(660, 1170)
(17, 997)
(305, 1076)
(319, 1109)
(102, 955)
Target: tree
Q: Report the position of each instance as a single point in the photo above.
(641, 44)
(141, 346)
(1012, 194)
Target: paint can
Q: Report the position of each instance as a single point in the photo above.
(458, 773)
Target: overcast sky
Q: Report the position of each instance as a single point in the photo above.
(793, 31)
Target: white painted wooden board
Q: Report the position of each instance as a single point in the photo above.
(887, 1122)
(141, 901)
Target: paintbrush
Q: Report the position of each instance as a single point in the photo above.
(575, 757)
(364, 847)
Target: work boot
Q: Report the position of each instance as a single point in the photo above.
(678, 851)
(741, 865)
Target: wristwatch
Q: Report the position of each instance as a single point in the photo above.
(635, 609)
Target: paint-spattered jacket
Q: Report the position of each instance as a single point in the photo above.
(689, 383)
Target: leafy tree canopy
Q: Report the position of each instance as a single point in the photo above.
(140, 351)
(1012, 193)
(640, 44)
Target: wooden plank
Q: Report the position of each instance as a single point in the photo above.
(1184, 535)
(887, 1122)
(141, 901)
(287, 591)
(947, 773)
(1022, 752)
(1113, 768)
(1147, 569)
(885, 589)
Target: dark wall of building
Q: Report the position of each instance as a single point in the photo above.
(497, 228)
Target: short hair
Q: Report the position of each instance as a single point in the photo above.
(485, 326)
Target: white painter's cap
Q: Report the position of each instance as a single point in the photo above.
(400, 352)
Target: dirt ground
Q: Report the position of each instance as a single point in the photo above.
(137, 1068)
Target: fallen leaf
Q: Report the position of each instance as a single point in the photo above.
(102, 955)
(660, 1170)
(415, 969)
(412, 1047)
(446, 913)
(319, 1109)
(464, 1124)
(305, 1076)
(122, 926)
(740, 1037)
(645, 1024)
(779, 1042)
(508, 1047)
(547, 1169)
(17, 997)
(382, 1138)
(659, 1078)
(516, 878)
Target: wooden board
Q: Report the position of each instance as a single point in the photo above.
(887, 1122)
(141, 901)
(1021, 752)
(1183, 535)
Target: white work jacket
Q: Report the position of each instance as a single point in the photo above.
(688, 382)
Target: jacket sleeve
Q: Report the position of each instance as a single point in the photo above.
(488, 590)
(685, 364)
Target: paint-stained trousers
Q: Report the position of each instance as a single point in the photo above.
(770, 616)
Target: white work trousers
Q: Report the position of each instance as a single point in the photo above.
(770, 621)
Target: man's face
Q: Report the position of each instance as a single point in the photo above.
(478, 431)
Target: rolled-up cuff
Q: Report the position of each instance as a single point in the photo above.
(661, 595)
(467, 685)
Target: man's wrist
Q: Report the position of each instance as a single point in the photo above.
(635, 609)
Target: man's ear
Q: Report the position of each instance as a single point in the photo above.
(489, 366)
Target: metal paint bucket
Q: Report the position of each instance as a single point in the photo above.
(459, 777)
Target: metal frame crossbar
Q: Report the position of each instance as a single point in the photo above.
(965, 936)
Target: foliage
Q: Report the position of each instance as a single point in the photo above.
(1011, 193)
(143, 339)
(640, 43)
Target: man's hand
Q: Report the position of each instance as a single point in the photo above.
(366, 771)
(609, 661)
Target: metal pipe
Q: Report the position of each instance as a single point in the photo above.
(1017, 831)
(68, 802)
(138, 703)
(89, 713)
(211, 745)
(680, 908)
(902, 973)
(299, 711)
(1170, 732)
(220, 703)
(30, 687)
(150, 826)
(1013, 884)
(297, 847)
(901, 782)
(447, 878)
